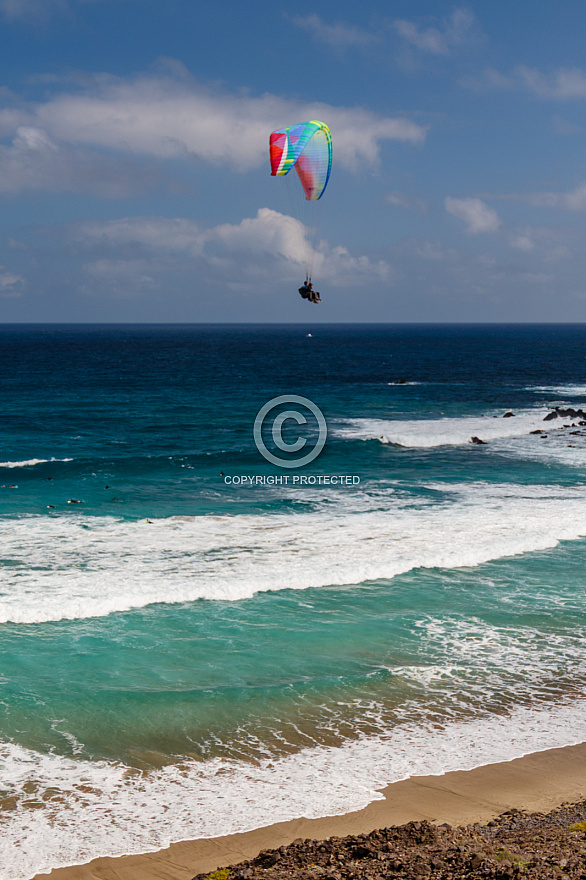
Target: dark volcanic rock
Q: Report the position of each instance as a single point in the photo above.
(567, 413)
(267, 859)
(571, 413)
(478, 441)
(363, 851)
(509, 415)
(515, 846)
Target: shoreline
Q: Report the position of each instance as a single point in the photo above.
(536, 782)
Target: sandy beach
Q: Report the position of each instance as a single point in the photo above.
(536, 782)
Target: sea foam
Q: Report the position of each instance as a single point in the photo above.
(457, 431)
(106, 809)
(563, 390)
(30, 462)
(58, 567)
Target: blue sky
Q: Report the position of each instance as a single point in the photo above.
(134, 177)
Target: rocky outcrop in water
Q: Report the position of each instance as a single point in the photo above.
(569, 413)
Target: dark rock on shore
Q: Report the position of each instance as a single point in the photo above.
(478, 441)
(516, 845)
(509, 415)
(569, 413)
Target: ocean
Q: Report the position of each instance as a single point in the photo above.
(197, 641)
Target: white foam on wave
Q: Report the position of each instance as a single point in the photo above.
(429, 433)
(30, 462)
(79, 567)
(101, 809)
(563, 448)
(507, 650)
(563, 390)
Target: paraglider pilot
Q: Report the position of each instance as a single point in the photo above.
(307, 292)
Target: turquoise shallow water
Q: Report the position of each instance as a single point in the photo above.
(206, 678)
(171, 637)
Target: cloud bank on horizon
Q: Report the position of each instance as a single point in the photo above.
(134, 169)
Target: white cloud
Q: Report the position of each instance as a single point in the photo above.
(160, 233)
(34, 160)
(488, 80)
(549, 245)
(574, 200)
(430, 251)
(11, 285)
(30, 10)
(430, 40)
(124, 278)
(35, 11)
(402, 200)
(556, 254)
(523, 242)
(564, 126)
(338, 35)
(15, 245)
(563, 84)
(474, 212)
(439, 41)
(256, 250)
(165, 117)
(497, 80)
(536, 277)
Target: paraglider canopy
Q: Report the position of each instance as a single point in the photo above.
(307, 147)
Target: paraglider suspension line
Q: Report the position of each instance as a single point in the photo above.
(315, 237)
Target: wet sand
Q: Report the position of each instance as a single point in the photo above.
(537, 782)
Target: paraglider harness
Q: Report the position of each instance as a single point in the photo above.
(307, 292)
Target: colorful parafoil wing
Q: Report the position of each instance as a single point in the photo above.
(307, 147)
